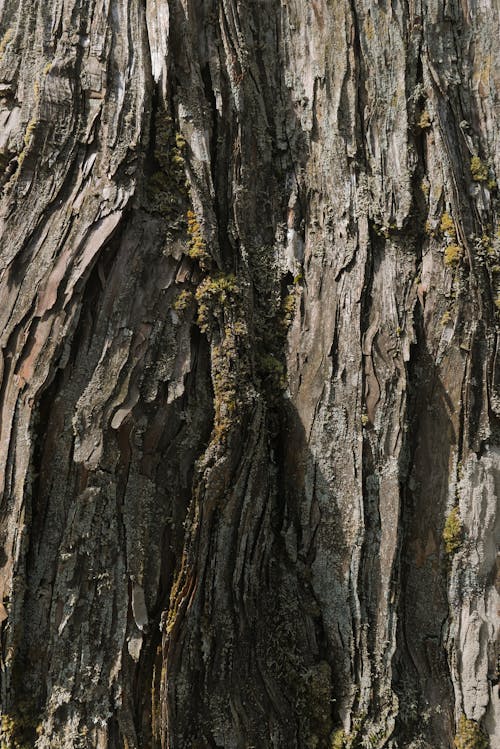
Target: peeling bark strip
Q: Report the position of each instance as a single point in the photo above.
(250, 404)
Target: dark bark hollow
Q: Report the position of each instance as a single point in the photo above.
(249, 405)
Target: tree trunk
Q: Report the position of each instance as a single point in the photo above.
(250, 405)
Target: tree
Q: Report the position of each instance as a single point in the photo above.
(250, 293)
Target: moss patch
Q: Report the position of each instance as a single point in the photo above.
(469, 735)
(338, 739)
(447, 226)
(425, 120)
(167, 190)
(183, 301)
(221, 316)
(452, 255)
(452, 532)
(197, 247)
(274, 309)
(18, 729)
(478, 169)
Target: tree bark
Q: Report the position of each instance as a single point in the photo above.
(249, 405)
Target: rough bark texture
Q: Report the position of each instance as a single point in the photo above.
(250, 436)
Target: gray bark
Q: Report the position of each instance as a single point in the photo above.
(249, 405)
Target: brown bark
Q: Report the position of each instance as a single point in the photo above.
(249, 412)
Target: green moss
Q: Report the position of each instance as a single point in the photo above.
(452, 532)
(18, 729)
(469, 735)
(478, 169)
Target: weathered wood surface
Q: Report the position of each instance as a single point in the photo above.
(249, 318)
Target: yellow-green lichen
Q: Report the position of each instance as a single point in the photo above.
(287, 310)
(428, 228)
(469, 735)
(197, 247)
(215, 295)
(452, 532)
(27, 138)
(28, 134)
(447, 226)
(18, 729)
(486, 244)
(425, 120)
(183, 301)
(478, 169)
(452, 254)
(338, 739)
